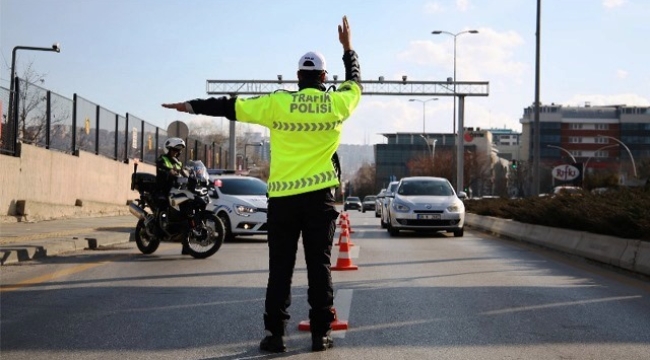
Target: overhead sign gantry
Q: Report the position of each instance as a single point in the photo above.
(379, 87)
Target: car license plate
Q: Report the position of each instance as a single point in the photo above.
(428, 216)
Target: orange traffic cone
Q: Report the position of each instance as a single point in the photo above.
(347, 220)
(344, 261)
(344, 236)
(336, 324)
(341, 219)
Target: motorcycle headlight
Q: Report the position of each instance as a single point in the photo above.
(400, 207)
(455, 208)
(244, 210)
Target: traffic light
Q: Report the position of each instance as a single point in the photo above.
(513, 164)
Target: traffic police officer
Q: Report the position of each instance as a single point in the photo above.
(305, 129)
(168, 169)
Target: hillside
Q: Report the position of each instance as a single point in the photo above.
(353, 157)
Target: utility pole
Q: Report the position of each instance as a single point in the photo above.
(537, 137)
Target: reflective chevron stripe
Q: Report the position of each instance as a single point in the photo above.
(291, 126)
(302, 183)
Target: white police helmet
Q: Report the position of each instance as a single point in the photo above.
(174, 143)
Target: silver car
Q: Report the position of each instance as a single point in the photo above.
(388, 196)
(424, 203)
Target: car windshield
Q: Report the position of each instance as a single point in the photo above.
(369, 198)
(392, 187)
(425, 188)
(242, 186)
(352, 198)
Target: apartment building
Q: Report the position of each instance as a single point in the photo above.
(603, 138)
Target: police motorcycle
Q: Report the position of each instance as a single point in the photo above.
(184, 220)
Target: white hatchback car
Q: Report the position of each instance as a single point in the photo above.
(423, 203)
(241, 203)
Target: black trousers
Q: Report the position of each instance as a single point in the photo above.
(312, 215)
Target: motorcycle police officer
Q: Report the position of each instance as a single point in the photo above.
(168, 169)
(305, 129)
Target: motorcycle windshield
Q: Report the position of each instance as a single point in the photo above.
(199, 171)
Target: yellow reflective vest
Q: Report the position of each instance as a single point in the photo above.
(305, 129)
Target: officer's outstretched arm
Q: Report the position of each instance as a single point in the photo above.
(223, 107)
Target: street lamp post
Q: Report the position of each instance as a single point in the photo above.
(11, 118)
(424, 109)
(565, 150)
(626, 148)
(438, 32)
(433, 153)
(433, 147)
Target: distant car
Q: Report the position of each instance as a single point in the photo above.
(379, 199)
(390, 190)
(368, 203)
(424, 203)
(568, 190)
(353, 203)
(241, 204)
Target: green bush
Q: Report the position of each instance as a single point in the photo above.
(623, 213)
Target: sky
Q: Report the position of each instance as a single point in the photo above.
(130, 56)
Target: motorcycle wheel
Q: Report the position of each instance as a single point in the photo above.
(201, 247)
(146, 244)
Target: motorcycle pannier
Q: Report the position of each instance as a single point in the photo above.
(143, 182)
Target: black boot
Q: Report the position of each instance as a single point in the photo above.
(186, 248)
(273, 343)
(321, 342)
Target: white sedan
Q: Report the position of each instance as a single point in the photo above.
(423, 203)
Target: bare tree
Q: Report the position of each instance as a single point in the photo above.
(478, 170)
(364, 180)
(208, 132)
(31, 98)
(479, 175)
(32, 110)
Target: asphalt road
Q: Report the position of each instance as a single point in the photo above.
(419, 296)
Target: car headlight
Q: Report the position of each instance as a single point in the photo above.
(455, 208)
(244, 210)
(400, 207)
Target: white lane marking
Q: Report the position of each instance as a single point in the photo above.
(342, 304)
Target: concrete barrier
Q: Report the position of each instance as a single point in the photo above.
(629, 254)
(603, 248)
(46, 184)
(642, 262)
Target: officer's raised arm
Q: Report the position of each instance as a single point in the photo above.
(350, 57)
